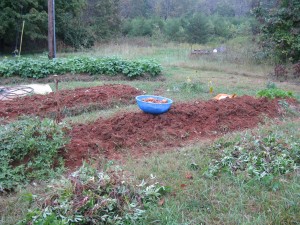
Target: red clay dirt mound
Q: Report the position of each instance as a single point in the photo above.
(138, 133)
(71, 101)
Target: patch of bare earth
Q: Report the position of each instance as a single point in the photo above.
(71, 102)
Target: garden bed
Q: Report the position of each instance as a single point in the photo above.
(72, 102)
(137, 133)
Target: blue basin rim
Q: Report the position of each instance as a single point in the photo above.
(153, 108)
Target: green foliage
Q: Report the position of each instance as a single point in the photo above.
(35, 15)
(139, 8)
(274, 93)
(72, 32)
(225, 9)
(90, 196)
(261, 157)
(29, 150)
(191, 86)
(197, 29)
(167, 9)
(42, 67)
(102, 18)
(78, 22)
(280, 30)
(139, 27)
(12, 14)
(174, 30)
(221, 27)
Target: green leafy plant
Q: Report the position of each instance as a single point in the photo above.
(92, 196)
(260, 157)
(192, 86)
(42, 67)
(275, 93)
(29, 150)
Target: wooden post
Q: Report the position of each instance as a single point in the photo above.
(57, 119)
(21, 37)
(50, 30)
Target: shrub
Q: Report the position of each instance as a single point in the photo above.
(91, 196)
(29, 150)
(174, 30)
(280, 30)
(197, 29)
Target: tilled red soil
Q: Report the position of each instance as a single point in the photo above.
(70, 101)
(138, 133)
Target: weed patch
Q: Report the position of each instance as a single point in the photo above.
(191, 86)
(29, 150)
(259, 157)
(91, 196)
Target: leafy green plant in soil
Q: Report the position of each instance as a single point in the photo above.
(42, 67)
(260, 158)
(29, 150)
(92, 196)
(274, 93)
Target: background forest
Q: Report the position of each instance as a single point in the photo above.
(82, 23)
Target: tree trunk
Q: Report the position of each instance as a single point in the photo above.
(1, 45)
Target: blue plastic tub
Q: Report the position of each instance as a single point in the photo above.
(153, 108)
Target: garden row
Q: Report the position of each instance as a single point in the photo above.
(42, 67)
(71, 102)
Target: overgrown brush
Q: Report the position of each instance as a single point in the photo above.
(258, 157)
(29, 150)
(91, 196)
(42, 67)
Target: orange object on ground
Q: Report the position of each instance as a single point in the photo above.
(223, 96)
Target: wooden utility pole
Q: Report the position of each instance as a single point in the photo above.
(51, 29)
